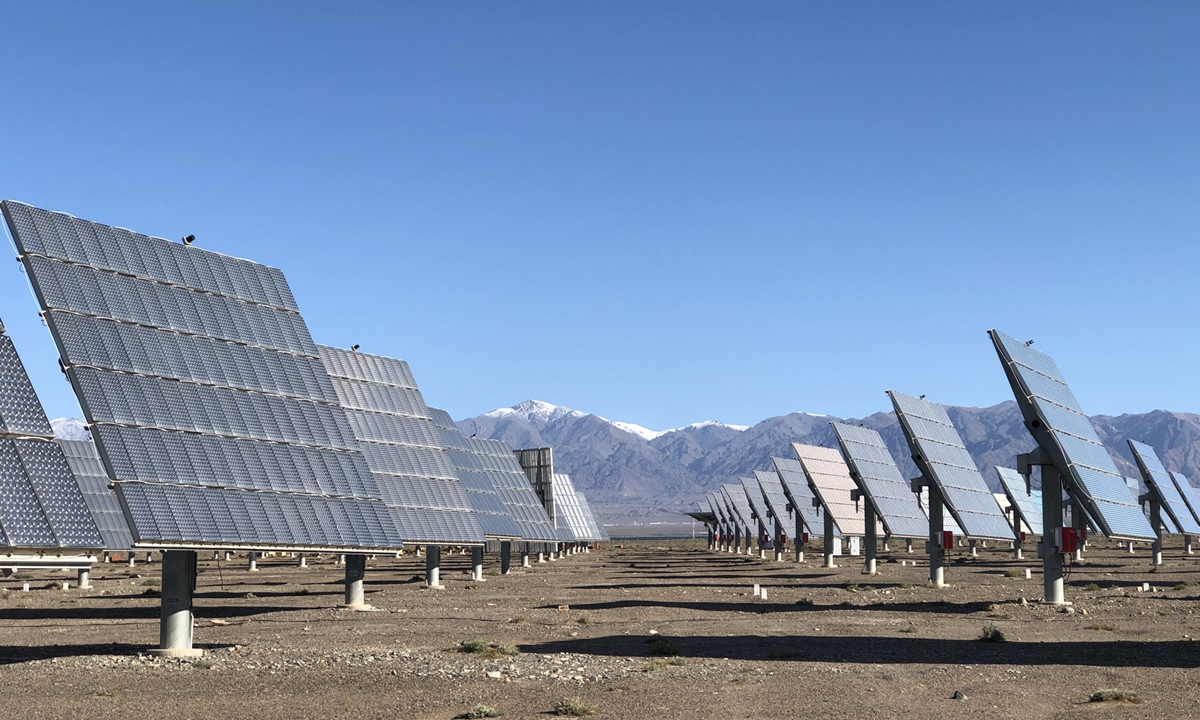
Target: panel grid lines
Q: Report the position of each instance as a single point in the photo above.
(868, 458)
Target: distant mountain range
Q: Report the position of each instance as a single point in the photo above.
(633, 475)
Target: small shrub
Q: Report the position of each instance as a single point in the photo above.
(1092, 587)
(202, 663)
(518, 620)
(1113, 695)
(472, 646)
(909, 629)
(21, 576)
(495, 651)
(480, 711)
(991, 633)
(1187, 584)
(1166, 611)
(584, 620)
(654, 665)
(250, 596)
(1014, 574)
(677, 661)
(302, 591)
(151, 582)
(662, 646)
(573, 707)
(1100, 626)
(853, 587)
(804, 601)
(104, 693)
(906, 586)
(150, 592)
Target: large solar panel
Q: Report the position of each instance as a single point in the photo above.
(566, 501)
(800, 496)
(1029, 505)
(939, 452)
(501, 466)
(1061, 428)
(493, 514)
(403, 448)
(538, 466)
(203, 390)
(599, 533)
(758, 504)
(101, 500)
(718, 506)
(1188, 492)
(1159, 481)
(41, 506)
(830, 482)
(735, 496)
(892, 497)
(773, 494)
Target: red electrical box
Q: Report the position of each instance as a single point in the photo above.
(783, 538)
(1068, 539)
(804, 538)
(1022, 536)
(947, 540)
(1083, 534)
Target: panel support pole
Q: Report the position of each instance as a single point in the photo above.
(505, 558)
(85, 578)
(525, 555)
(1018, 551)
(799, 539)
(1159, 529)
(356, 572)
(869, 538)
(1079, 521)
(175, 624)
(477, 564)
(778, 540)
(762, 535)
(828, 540)
(937, 555)
(433, 567)
(1187, 546)
(1052, 522)
(252, 561)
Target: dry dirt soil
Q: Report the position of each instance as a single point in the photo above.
(825, 644)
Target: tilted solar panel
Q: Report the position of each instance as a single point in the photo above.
(598, 532)
(493, 513)
(829, 481)
(403, 448)
(209, 406)
(1054, 418)
(892, 497)
(939, 452)
(773, 494)
(1188, 492)
(1159, 481)
(101, 500)
(1029, 505)
(758, 504)
(736, 496)
(566, 500)
(794, 483)
(718, 507)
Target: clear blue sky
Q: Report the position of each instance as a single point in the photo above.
(661, 213)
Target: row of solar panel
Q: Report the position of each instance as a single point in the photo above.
(62, 236)
(186, 514)
(40, 502)
(90, 291)
(178, 405)
(372, 426)
(101, 501)
(422, 492)
(360, 395)
(148, 455)
(393, 459)
(20, 410)
(103, 343)
(367, 367)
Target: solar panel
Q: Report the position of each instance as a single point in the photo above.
(404, 449)
(41, 506)
(208, 404)
(940, 454)
(101, 500)
(566, 501)
(1028, 505)
(1159, 481)
(1061, 428)
(892, 497)
(718, 507)
(1188, 492)
(735, 496)
(794, 484)
(758, 505)
(773, 495)
(829, 481)
(598, 532)
(538, 466)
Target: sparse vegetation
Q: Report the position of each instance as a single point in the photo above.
(1114, 695)
(202, 663)
(1092, 587)
(518, 620)
(104, 693)
(488, 650)
(480, 711)
(150, 591)
(151, 582)
(250, 596)
(1014, 574)
(584, 620)
(302, 591)
(472, 646)
(573, 707)
(1166, 611)
(658, 664)
(804, 601)
(909, 629)
(992, 634)
(662, 646)
(21, 576)
(906, 586)
(1107, 627)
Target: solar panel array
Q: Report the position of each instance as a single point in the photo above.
(794, 483)
(869, 460)
(1159, 480)
(1090, 474)
(491, 511)
(525, 507)
(597, 527)
(773, 494)
(758, 504)
(1029, 505)
(735, 495)
(41, 506)
(403, 448)
(206, 398)
(101, 500)
(830, 482)
(566, 502)
(1188, 492)
(939, 451)
(717, 504)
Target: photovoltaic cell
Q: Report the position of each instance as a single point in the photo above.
(758, 504)
(794, 483)
(773, 495)
(870, 462)
(829, 481)
(1189, 493)
(940, 453)
(1063, 430)
(412, 467)
(739, 505)
(1028, 504)
(1159, 481)
(101, 501)
(208, 404)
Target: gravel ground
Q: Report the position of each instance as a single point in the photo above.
(649, 630)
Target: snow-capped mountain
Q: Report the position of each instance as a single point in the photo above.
(70, 429)
(539, 413)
